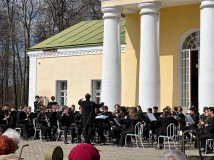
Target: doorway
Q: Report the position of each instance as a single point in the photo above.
(194, 78)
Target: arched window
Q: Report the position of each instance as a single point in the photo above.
(191, 42)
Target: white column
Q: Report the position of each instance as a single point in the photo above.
(111, 66)
(32, 81)
(149, 71)
(206, 67)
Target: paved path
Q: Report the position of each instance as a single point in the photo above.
(36, 151)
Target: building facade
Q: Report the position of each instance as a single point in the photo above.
(165, 60)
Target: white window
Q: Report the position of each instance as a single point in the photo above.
(96, 90)
(61, 92)
(191, 43)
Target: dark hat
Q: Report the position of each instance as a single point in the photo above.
(84, 152)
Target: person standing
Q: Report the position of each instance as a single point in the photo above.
(88, 113)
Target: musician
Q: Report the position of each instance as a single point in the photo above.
(65, 121)
(43, 123)
(164, 122)
(37, 104)
(117, 109)
(53, 121)
(88, 113)
(180, 118)
(195, 117)
(130, 122)
(104, 124)
(30, 116)
(204, 118)
(208, 132)
(155, 112)
(3, 121)
(22, 121)
(115, 129)
(50, 104)
(79, 125)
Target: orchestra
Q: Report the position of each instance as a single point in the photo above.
(90, 122)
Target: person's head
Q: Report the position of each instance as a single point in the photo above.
(176, 109)
(80, 110)
(52, 98)
(211, 111)
(155, 109)
(105, 108)
(167, 113)
(43, 108)
(133, 113)
(37, 98)
(13, 134)
(180, 109)
(84, 152)
(7, 145)
(122, 109)
(53, 108)
(13, 109)
(5, 107)
(87, 96)
(29, 109)
(204, 109)
(65, 109)
(139, 110)
(173, 155)
(192, 110)
(149, 110)
(117, 107)
(24, 108)
(73, 107)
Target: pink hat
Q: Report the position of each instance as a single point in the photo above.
(84, 152)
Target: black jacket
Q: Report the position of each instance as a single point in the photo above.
(53, 118)
(41, 119)
(65, 120)
(195, 118)
(130, 124)
(88, 111)
(164, 122)
(20, 117)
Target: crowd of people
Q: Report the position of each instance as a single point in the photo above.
(89, 121)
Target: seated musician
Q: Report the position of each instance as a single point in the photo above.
(53, 121)
(50, 104)
(22, 121)
(180, 117)
(43, 123)
(79, 125)
(30, 116)
(164, 122)
(140, 113)
(208, 132)
(104, 124)
(3, 121)
(155, 112)
(204, 118)
(115, 129)
(65, 121)
(130, 122)
(117, 109)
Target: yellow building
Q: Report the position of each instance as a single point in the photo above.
(151, 57)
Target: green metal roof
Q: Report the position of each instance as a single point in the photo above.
(85, 33)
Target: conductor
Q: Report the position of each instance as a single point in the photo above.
(88, 116)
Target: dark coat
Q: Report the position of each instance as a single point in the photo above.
(41, 120)
(20, 117)
(53, 118)
(65, 120)
(195, 118)
(88, 111)
(164, 122)
(130, 124)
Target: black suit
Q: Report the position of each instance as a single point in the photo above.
(88, 117)
(208, 132)
(22, 122)
(43, 124)
(3, 123)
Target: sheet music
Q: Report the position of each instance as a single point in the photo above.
(151, 117)
(189, 119)
(101, 117)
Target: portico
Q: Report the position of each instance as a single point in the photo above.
(149, 81)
